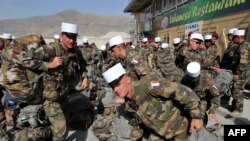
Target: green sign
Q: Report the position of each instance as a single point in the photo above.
(204, 10)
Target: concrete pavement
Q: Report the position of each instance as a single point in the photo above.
(77, 135)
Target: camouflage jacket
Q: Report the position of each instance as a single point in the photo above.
(135, 65)
(230, 58)
(212, 58)
(152, 104)
(244, 63)
(179, 55)
(16, 75)
(191, 56)
(73, 68)
(90, 55)
(165, 63)
(205, 88)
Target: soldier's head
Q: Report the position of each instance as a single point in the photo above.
(7, 38)
(85, 42)
(117, 78)
(56, 38)
(145, 42)
(69, 33)
(208, 40)
(193, 71)
(177, 42)
(117, 47)
(158, 41)
(215, 37)
(230, 34)
(195, 41)
(239, 36)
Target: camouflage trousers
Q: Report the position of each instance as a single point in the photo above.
(2, 124)
(57, 119)
(180, 133)
(238, 95)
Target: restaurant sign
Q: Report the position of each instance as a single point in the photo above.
(205, 10)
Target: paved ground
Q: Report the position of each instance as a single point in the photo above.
(76, 135)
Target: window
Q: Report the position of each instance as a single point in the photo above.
(165, 3)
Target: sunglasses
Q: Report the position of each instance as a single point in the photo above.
(197, 42)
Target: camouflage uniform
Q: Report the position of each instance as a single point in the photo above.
(192, 56)
(165, 63)
(207, 91)
(135, 65)
(212, 58)
(91, 56)
(19, 77)
(179, 55)
(244, 74)
(152, 106)
(59, 82)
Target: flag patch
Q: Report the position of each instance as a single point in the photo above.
(135, 61)
(155, 84)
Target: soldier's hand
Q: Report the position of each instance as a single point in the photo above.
(196, 124)
(57, 61)
(213, 117)
(119, 101)
(85, 83)
(214, 69)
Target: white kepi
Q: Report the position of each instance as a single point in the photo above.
(114, 73)
(193, 69)
(69, 28)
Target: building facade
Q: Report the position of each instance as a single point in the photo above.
(175, 18)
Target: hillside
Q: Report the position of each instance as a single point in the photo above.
(89, 24)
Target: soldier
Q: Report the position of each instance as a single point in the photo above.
(67, 73)
(56, 38)
(202, 83)
(212, 57)
(150, 102)
(132, 61)
(178, 51)
(7, 39)
(230, 35)
(16, 75)
(242, 72)
(193, 52)
(165, 63)
(91, 56)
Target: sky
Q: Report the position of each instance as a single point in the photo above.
(18, 9)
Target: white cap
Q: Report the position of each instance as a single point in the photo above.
(113, 73)
(7, 36)
(239, 32)
(85, 40)
(69, 28)
(145, 39)
(115, 41)
(102, 48)
(56, 36)
(231, 31)
(208, 37)
(164, 45)
(13, 37)
(193, 69)
(157, 39)
(176, 40)
(197, 36)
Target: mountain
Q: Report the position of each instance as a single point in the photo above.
(89, 24)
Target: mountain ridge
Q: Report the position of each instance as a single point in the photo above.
(89, 24)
